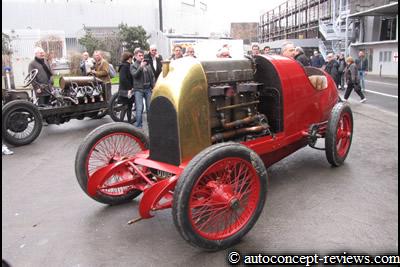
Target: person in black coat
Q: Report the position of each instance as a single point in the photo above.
(317, 60)
(43, 79)
(125, 89)
(342, 66)
(332, 67)
(154, 60)
(301, 57)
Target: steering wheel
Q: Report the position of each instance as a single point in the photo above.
(30, 77)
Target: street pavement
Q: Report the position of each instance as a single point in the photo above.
(381, 92)
(311, 207)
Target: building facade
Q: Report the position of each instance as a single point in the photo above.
(378, 38)
(339, 26)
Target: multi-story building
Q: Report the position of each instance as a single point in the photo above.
(337, 26)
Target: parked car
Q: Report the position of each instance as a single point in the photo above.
(214, 129)
(78, 97)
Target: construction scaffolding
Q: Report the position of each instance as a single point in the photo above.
(326, 20)
(294, 19)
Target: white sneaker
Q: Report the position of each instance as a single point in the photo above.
(363, 100)
(6, 151)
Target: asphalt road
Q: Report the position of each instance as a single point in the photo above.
(311, 207)
(380, 93)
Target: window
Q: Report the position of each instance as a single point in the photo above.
(388, 29)
(385, 56)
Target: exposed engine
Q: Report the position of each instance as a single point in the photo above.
(77, 90)
(233, 112)
(234, 103)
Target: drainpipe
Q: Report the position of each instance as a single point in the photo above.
(160, 14)
(346, 48)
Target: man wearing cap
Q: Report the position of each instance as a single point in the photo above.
(43, 80)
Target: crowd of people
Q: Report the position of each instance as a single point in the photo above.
(348, 74)
(139, 71)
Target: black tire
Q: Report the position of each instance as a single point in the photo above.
(116, 108)
(339, 134)
(183, 208)
(21, 122)
(131, 141)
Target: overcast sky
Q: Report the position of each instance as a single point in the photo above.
(224, 12)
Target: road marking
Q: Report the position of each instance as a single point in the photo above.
(392, 84)
(378, 93)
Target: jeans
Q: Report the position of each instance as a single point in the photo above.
(139, 96)
(361, 75)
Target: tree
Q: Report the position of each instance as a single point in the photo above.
(133, 37)
(5, 44)
(112, 44)
(91, 43)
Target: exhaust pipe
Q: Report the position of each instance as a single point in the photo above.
(226, 135)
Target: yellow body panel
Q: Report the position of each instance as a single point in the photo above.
(185, 86)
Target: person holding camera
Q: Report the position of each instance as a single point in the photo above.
(143, 83)
(154, 59)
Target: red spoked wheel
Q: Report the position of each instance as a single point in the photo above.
(220, 196)
(339, 134)
(105, 145)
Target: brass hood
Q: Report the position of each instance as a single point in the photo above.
(179, 112)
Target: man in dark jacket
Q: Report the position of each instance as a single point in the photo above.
(43, 81)
(143, 83)
(301, 57)
(154, 60)
(317, 60)
(125, 86)
(342, 67)
(332, 67)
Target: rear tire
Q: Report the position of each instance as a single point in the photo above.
(116, 108)
(21, 122)
(106, 144)
(219, 196)
(339, 134)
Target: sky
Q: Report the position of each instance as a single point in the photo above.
(224, 12)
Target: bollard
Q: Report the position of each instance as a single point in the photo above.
(8, 78)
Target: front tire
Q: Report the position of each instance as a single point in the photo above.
(219, 196)
(104, 145)
(339, 134)
(21, 122)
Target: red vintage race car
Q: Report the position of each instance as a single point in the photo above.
(214, 128)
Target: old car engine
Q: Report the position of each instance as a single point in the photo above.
(81, 89)
(233, 111)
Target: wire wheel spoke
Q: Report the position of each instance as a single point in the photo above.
(109, 149)
(343, 135)
(20, 124)
(224, 198)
